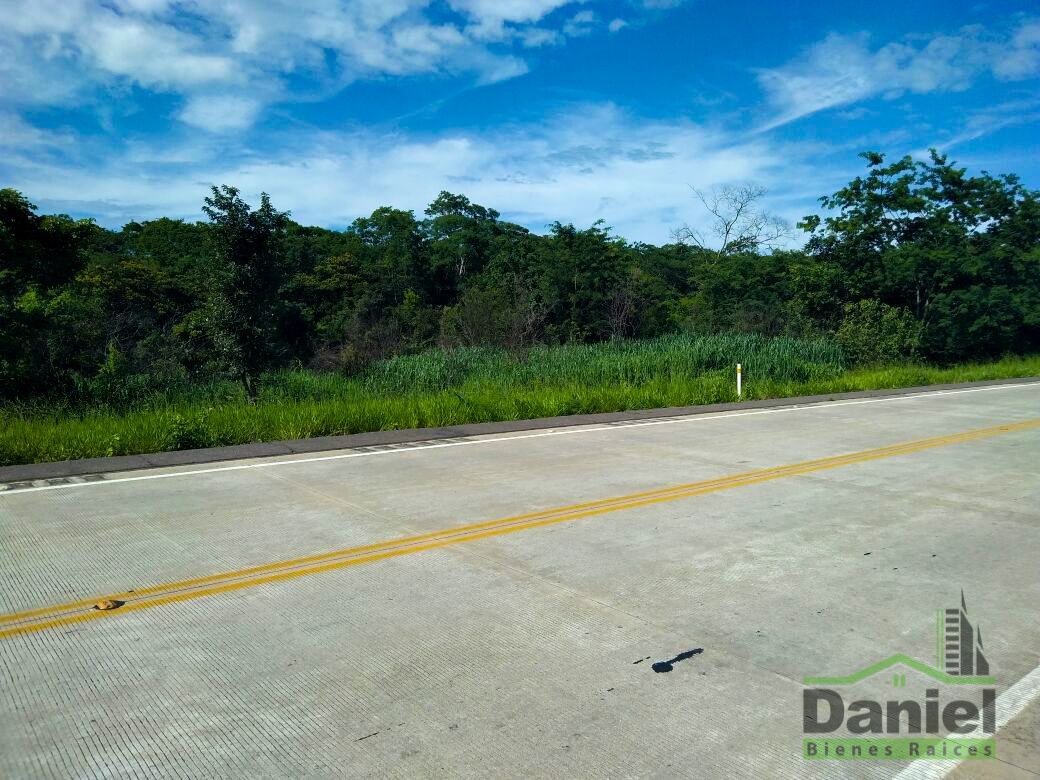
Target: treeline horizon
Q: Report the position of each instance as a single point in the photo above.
(914, 260)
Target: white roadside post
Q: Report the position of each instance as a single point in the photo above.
(740, 391)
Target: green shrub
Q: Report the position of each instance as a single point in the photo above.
(872, 333)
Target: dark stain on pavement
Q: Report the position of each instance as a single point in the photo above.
(666, 666)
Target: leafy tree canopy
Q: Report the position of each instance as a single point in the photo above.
(914, 258)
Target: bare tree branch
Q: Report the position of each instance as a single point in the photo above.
(735, 222)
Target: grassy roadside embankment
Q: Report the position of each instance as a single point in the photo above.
(465, 386)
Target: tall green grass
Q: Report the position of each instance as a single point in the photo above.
(460, 386)
(676, 358)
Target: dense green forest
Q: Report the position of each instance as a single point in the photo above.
(912, 260)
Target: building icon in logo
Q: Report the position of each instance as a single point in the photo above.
(963, 647)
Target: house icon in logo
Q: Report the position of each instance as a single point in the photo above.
(959, 659)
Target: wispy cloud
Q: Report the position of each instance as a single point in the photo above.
(220, 113)
(983, 122)
(843, 69)
(497, 19)
(582, 23)
(242, 55)
(221, 66)
(593, 162)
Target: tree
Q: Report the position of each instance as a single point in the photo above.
(736, 221)
(506, 313)
(587, 266)
(954, 250)
(246, 281)
(460, 233)
(39, 255)
(740, 292)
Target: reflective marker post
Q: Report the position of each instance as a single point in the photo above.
(740, 392)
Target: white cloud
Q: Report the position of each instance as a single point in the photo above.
(147, 54)
(489, 18)
(844, 69)
(1021, 59)
(220, 113)
(593, 163)
(90, 39)
(540, 36)
(57, 52)
(616, 25)
(580, 24)
(18, 133)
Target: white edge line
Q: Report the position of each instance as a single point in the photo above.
(1009, 704)
(566, 432)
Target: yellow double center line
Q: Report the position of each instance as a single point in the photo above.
(169, 593)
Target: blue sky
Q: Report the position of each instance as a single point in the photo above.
(542, 109)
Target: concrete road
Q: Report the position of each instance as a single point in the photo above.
(628, 600)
